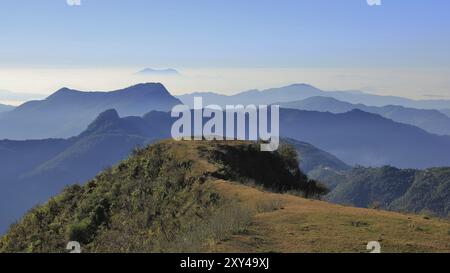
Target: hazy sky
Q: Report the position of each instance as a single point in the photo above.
(399, 48)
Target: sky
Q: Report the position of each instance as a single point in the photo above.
(398, 48)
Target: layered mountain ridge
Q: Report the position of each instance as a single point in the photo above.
(67, 112)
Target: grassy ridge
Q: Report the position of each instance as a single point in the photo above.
(303, 225)
(140, 205)
(158, 200)
(212, 197)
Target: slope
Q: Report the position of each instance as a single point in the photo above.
(396, 189)
(197, 197)
(155, 194)
(303, 225)
(312, 158)
(34, 170)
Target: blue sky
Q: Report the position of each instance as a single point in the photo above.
(227, 33)
(413, 34)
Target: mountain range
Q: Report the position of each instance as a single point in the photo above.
(67, 112)
(445, 111)
(5, 108)
(311, 158)
(329, 144)
(6, 95)
(358, 137)
(297, 92)
(430, 120)
(34, 170)
(420, 191)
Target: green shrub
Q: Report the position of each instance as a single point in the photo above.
(81, 231)
(277, 171)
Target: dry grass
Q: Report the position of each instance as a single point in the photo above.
(288, 223)
(302, 225)
(231, 218)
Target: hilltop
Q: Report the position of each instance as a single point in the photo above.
(214, 197)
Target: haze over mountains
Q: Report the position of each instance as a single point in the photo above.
(359, 137)
(430, 120)
(67, 112)
(356, 137)
(297, 92)
(446, 112)
(6, 95)
(5, 108)
(108, 126)
(34, 170)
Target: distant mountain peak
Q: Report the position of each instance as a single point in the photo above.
(62, 92)
(68, 112)
(66, 90)
(104, 120)
(251, 91)
(141, 89)
(147, 88)
(357, 111)
(159, 72)
(360, 114)
(147, 85)
(304, 85)
(110, 114)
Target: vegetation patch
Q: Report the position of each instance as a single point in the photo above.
(159, 200)
(277, 171)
